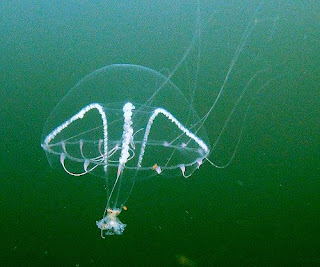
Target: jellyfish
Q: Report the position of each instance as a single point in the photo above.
(108, 126)
(124, 122)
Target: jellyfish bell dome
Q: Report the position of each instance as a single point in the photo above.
(85, 131)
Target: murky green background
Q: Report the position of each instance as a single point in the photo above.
(264, 209)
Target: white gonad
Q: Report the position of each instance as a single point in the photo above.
(124, 122)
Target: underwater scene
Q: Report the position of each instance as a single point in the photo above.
(160, 133)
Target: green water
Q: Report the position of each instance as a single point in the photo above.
(262, 210)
